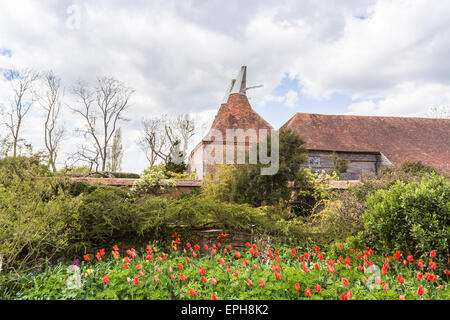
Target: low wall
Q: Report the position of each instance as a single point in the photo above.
(182, 186)
(186, 186)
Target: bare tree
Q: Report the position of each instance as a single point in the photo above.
(51, 103)
(116, 153)
(442, 112)
(89, 156)
(186, 129)
(101, 108)
(154, 141)
(167, 139)
(24, 95)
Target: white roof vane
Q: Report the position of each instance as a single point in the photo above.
(239, 85)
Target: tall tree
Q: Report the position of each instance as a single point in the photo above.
(167, 139)
(249, 186)
(116, 153)
(24, 96)
(101, 108)
(153, 140)
(51, 103)
(441, 112)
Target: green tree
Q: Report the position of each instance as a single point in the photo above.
(249, 186)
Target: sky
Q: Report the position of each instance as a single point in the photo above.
(361, 57)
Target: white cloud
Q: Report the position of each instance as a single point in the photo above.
(180, 55)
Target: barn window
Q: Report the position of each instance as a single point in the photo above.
(314, 161)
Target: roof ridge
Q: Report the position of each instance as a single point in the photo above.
(362, 116)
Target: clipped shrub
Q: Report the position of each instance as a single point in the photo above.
(128, 175)
(410, 217)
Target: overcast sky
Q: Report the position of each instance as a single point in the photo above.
(362, 57)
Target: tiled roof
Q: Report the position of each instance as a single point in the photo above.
(400, 139)
(238, 114)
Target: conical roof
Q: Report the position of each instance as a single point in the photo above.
(237, 113)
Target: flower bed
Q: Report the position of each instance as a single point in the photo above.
(220, 271)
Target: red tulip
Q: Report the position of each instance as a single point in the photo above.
(344, 296)
(192, 292)
(141, 274)
(278, 275)
(156, 279)
(420, 291)
(213, 297)
(213, 281)
(385, 286)
(87, 257)
(249, 282)
(433, 253)
(262, 282)
(182, 277)
(105, 278)
(432, 265)
(308, 292)
(317, 287)
(237, 254)
(345, 282)
(400, 279)
(136, 280)
(297, 287)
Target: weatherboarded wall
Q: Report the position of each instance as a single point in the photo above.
(357, 162)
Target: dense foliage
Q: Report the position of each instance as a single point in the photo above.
(410, 217)
(246, 184)
(45, 219)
